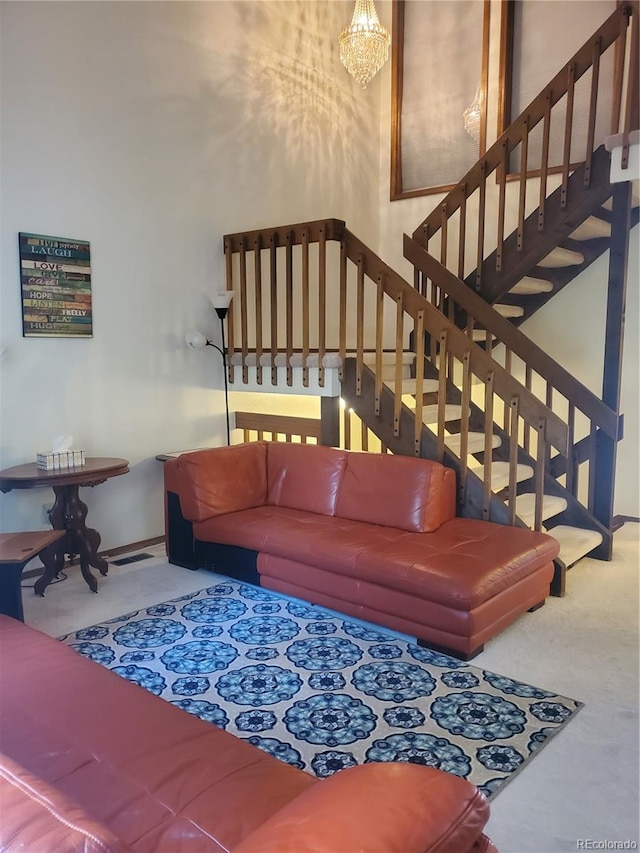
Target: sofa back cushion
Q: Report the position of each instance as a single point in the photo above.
(306, 477)
(397, 491)
(222, 480)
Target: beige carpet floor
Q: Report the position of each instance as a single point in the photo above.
(582, 791)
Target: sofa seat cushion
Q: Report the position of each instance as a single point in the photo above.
(461, 565)
(185, 784)
(324, 541)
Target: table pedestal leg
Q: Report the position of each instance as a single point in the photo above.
(69, 513)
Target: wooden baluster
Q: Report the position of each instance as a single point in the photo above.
(443, 235)
(305, 307)
(364, 436)
(462, 232)
(360, 325)
(541, 454)
(527, 430)
(514, 405)
(464, 424)
(257, 274)
(507, 367)
(593, 105)
(544, 165)
(417, 421)
(322, 303)
(260, 435)
(243, 310)
(245, 435)
(502, 197)
(397, 404)
(488, 445)
(571, 480)
(631, 108)
(442, 394)
(273, 309)
(481, 223)
(379, 331)
(618, 75)
(566, 161)
(303, 439)
(342, 332)
(522, 198)
(230, 323)
(289, 305)
(347, 428)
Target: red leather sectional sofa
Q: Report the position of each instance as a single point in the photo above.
(370, 535)
(94, 764)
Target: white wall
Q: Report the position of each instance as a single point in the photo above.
(151, 129)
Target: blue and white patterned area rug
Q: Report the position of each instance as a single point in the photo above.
(323, 692)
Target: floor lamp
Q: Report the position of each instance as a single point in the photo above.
(220, 300)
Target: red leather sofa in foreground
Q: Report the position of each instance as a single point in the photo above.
(371, 535)
(93, 763)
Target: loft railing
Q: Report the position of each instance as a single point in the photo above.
(492, 200)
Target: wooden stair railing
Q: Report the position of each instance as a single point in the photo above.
(489, 211)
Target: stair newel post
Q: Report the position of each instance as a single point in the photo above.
(273, 308)
(507, 367)
(347, 428)
(257, 275)
(522, 201)
(572, 464)
(342, 332)
(228, 254)
(541, 451)
(244, 343)
(305, 308)
(289, 304)
(464, 424)
(566, 159)
(514, 414)
(442, 392)
(419, 367)
(359, 325)
(322, 303)
(379, 330)
(488, 443)
(593, 101)
(503, 170)
(397, 403)
(544, 163)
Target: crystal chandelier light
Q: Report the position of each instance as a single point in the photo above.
(471, 116)
(364, 44)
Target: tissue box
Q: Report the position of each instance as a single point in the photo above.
(52, 461)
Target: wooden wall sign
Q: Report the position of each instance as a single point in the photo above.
(55, 278)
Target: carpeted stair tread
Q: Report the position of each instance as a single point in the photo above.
(475, 442)
(591, 228)
(551, 505)
(560, 257)
(481, 335)
(430, 414)
(509, 311)
(575, 542)
(529, 286)
(500, 474)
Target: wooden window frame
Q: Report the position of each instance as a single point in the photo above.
(397, 64)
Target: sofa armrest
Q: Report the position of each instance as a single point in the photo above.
(37, 817)
(377, 808)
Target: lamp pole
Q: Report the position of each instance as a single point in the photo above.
(222, 313)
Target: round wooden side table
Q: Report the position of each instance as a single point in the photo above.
(68, 512)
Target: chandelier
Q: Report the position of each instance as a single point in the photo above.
(471, 116)
(364, 44)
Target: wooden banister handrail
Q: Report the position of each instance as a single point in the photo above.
(519, 344)
(333, 229)
(519, 130)
(458, 342)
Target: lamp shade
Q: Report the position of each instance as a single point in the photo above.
(221, 298)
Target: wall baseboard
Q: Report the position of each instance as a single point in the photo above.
(109, 552)
(618, 520)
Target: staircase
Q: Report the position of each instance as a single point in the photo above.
(440, 368)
